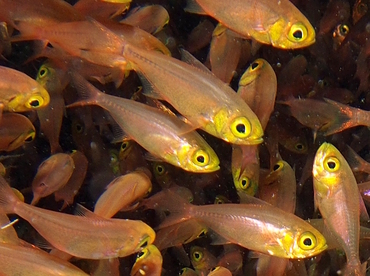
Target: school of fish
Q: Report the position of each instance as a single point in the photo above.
(190, 137)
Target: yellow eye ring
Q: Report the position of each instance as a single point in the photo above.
(244, 183)
(160, 169)
(343, 29)
(42, 72)
(124, 146)
(278, 166)
(30, 137)
(331, 164)
(307, 241)
(255, 65)
(34, 102)
(201, 158)
(297, 33)
(241, 127)
(197, 255)
(299, 147)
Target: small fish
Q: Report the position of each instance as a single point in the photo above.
(150, 127)
(89, 236)
(148, 262)
(122, 192)
(52, 174)
(280, 24)
(204, 100)
(15, 131)
(270, 230)
(202, 260)
(219, 271)
(337, 197)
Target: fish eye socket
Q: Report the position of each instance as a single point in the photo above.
(197, 255)
(299, 147)
(343, 29)
(160, 169)
(124, 146)
(255, 65)
(200, 158)
(245, 183)
(43, 72)
(307, 241)
(241, 127)
(278, 166)
(34, 102)
(298, 32)
(30, 137)
(331, 164)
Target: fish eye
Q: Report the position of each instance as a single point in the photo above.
(35, 102)
(79, 128)
(30, 137)
(343, 29)
(241, 127)
(278, 166)
(244, 183)
(42, 72)
(307, 241)
(331, 164)
(124, 146)
(200, 158)
(299, 146)
(160, 169)
(197, 255)
(298, 32)
(255, 65)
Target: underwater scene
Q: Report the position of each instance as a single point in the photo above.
(199, 137)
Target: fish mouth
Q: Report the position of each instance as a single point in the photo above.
(255, 141)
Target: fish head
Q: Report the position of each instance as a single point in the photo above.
(293, 34)
(38, 97)
(238, 128)
(198, 156)
(303, 243)
(326, 169)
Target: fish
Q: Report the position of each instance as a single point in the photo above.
(150, 127)
(204, 100)
(19, 92)
(337, 197)
(219, 271)
(202, 259)
(270, 230)
(88, 236)
(15, 131)
(278, 23)
(52, 174)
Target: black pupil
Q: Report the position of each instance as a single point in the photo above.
(124, 145)
(196, 255)
(331, 164)
(159, 169)
(42, 72)
(240, 128)
(140, 254)
(200, 159)
(307, 242)
(343, 30)
(276, 167)
(254, 65)
(34, 103)
(299, 146)
(79, 128)
(244, 182)
(298, 34)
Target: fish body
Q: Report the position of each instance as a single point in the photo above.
(204, 100)
(270, 230)
(278, 23)
(89, 236)
(337, 197)
(163, 135)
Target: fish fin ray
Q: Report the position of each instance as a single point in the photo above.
(193, 7)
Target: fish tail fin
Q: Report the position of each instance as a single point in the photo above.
(171, 202)
(87, 93)
(8, 199)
